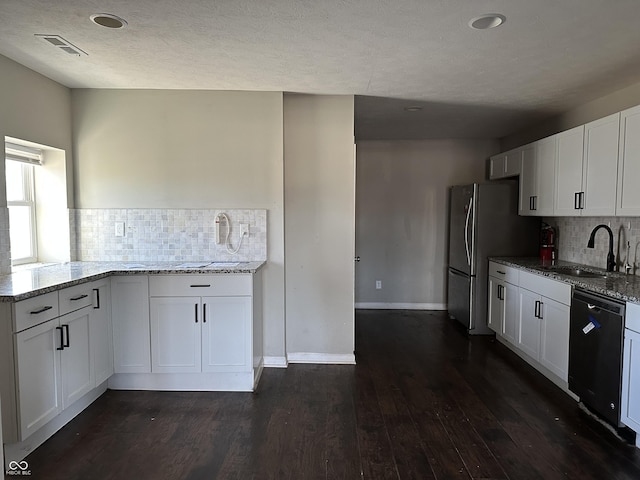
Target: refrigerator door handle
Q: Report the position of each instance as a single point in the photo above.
(466, 231)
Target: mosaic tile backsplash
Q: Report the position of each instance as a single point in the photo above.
(573, 235)
(166, 235)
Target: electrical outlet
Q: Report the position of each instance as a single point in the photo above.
(378, 284)
(119, 229)
(244, 229)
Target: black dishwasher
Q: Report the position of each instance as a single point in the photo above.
(595, 352)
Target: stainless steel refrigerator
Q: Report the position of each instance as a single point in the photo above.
(483, 222)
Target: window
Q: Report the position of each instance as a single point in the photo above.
(19, 165)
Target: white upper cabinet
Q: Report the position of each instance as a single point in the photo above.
(545, 173)
(569, 154)
(528, 182)
(628, 201)
(537, 178)
(506, 164)
(600, 173)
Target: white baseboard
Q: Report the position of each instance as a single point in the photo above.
(328, 358)
(401, 306)
(275, 362)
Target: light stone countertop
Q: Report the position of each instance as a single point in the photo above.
(28, 283)
(616, 285)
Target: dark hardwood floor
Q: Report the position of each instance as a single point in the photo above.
(423, 402)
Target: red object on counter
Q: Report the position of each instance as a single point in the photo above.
(547, 244)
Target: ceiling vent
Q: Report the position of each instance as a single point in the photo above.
(61, 43)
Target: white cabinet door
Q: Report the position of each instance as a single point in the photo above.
(38, 376)
(226, 334)
(600, 173)
(554, 348)
(528, 182)
(101, 332)
(511, 312)
(545, 153)
(76, 362)
(130, 318)
(496, 305)
(629, 163)
(497, 166)
(570, 149)
(630, 414)
(513, 162)
(529, 323)
(175, 334)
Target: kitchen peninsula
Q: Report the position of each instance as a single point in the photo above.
(70, 331)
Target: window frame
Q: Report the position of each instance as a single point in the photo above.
(29, 200)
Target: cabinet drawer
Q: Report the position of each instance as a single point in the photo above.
(508, 274)
(547, 287)
(36, 310)
(76, 297)
(632, 318)
(200, 285)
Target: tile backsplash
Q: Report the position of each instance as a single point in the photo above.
(573, 235)
(165, 235)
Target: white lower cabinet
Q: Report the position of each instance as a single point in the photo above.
(495, 316)
(200, 334)
(554, 340)
(130, 318)
(630, 411)
(101, 331)
(511, 308)
(175, 334)
(38, 376)
(226, 334)
(503, 301)
(529, 324)
(76, 361)
(534, 313)
(54, 368)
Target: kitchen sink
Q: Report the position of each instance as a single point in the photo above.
(575, 271)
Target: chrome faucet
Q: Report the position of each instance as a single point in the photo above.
(611, 258)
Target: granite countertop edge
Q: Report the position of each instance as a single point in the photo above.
(616, 285)
(62, 275)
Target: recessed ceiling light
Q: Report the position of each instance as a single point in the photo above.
(413, 108)
(108, 20)
(484, 22)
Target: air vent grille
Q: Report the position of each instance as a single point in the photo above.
(61, 43)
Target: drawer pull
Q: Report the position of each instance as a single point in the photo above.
(61, 347)
(42, 310)
(66, 328)
(200, 286)
(79, 297)
(96, 298)
(500, 272)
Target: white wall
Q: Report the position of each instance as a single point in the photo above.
(601, 107)
(187, 149)
(401, 217)
(319, 227)
(34, 108)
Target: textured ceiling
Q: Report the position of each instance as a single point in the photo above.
(549, 56)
